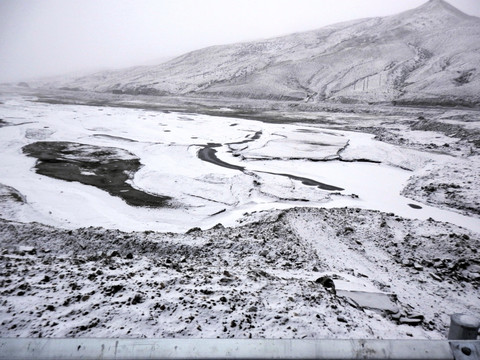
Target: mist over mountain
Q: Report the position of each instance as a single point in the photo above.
(428, 55)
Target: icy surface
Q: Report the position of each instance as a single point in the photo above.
(204, 194)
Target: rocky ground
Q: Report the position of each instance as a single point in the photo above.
(453, 185)
(282, 274)
(454, 182)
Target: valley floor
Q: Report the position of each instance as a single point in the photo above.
(390, 251)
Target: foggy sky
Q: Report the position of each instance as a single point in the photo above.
(52, 37)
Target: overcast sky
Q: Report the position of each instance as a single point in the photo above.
(50, 37)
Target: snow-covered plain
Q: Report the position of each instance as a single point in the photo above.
(203, 194)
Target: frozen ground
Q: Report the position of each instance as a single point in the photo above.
(359, 261)
(270, 277)
(270, 163)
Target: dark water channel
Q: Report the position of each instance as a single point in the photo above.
(208, 153)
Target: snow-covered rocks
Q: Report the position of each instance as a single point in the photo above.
(257, 280)
(450, 185)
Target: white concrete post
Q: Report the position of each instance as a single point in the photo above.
(463, 327)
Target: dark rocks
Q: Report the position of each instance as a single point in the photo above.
(30, 250)
(417, 266)
(327, 283)
(203, 289)
(435, 276)
(225, 280)
(464, 78)
(207, 291)
(407, 318)
(193, 230)
(75, 286)
(112, 290)
(396, 316)
(137, 299)
(25, 286)
(410, 321)
(346, 231)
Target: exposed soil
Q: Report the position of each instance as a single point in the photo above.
(454, 130)
(106, 168)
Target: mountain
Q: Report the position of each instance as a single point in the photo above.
(430, 54)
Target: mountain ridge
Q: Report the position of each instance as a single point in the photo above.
(444, 5)
(427, 54)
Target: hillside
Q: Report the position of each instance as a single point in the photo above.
(426, 55)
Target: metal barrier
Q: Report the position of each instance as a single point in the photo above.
(462, 345)
(142, 349)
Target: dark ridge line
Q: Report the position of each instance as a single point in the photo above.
(317, 160)
(219, 212)
(415, 206)
(306, 181)
(114, 137)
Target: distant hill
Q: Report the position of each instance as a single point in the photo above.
(428, 55)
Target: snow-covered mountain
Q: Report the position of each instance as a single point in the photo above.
(430, 54)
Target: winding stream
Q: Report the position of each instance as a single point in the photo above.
(377, 185)
(208, 153)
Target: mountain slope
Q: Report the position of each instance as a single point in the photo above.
(429, 54)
